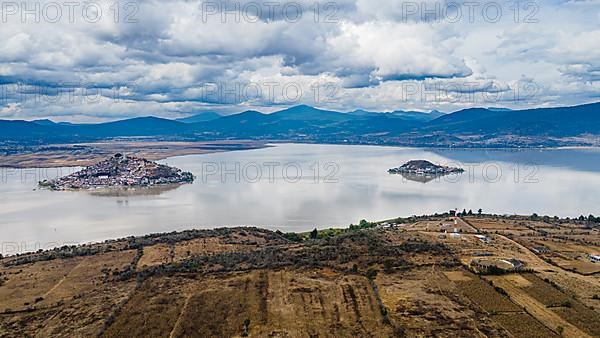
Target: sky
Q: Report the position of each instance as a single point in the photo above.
(96, 61)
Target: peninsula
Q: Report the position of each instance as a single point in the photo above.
(120, 171)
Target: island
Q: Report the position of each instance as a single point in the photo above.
(423, 171)
(120, 171)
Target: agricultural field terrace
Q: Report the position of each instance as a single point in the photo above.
(440, 275)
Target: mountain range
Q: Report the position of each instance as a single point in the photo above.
(200, 117)
(484, 126)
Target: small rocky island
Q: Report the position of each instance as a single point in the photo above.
(424, 168)
(120, 171)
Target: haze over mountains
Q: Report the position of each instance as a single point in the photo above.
(478, 126)
(200, 117)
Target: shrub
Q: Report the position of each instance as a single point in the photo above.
(371, 273)
(293, 237)
(388, 265)
(501, 291)
(364, 224)
(246, 327)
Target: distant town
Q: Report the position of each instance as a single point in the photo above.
(120, 171)
(423, 167)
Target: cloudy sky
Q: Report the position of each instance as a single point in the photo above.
(106, 60)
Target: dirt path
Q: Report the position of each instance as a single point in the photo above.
(545, 315)
(61, 281)
(178, 322)
(471, 304)
(543, 265)
(467, 224)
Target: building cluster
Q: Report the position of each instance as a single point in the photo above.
(423, 167)
(120, 171)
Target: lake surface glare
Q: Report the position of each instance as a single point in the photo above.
(297, 187)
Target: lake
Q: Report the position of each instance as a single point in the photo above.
(297, 187)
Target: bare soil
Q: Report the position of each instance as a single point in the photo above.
(375, 282)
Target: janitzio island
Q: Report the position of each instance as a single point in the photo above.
(120, 171)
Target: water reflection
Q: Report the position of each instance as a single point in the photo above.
(133, 192)
(566, 182)
(422, 178)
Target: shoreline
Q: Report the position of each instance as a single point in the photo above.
(85, 154)
(448, 272)
(384, 223)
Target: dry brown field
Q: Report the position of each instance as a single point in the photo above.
(404, 281)
(549, 305)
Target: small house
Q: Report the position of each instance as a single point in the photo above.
(483, 238)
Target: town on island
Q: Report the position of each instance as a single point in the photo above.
(120, 171)
(423, 167)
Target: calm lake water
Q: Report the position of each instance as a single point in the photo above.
(295, 187)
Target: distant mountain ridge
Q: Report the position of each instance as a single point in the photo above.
(309, 124)
(557, 121)
(409, 115)
(200, 117)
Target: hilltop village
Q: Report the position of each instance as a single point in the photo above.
(423, 167)
(120, 171)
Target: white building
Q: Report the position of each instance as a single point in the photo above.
(483, 238)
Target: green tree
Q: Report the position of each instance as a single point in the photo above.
(479, 211)
(314, 234)
(292, 236)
